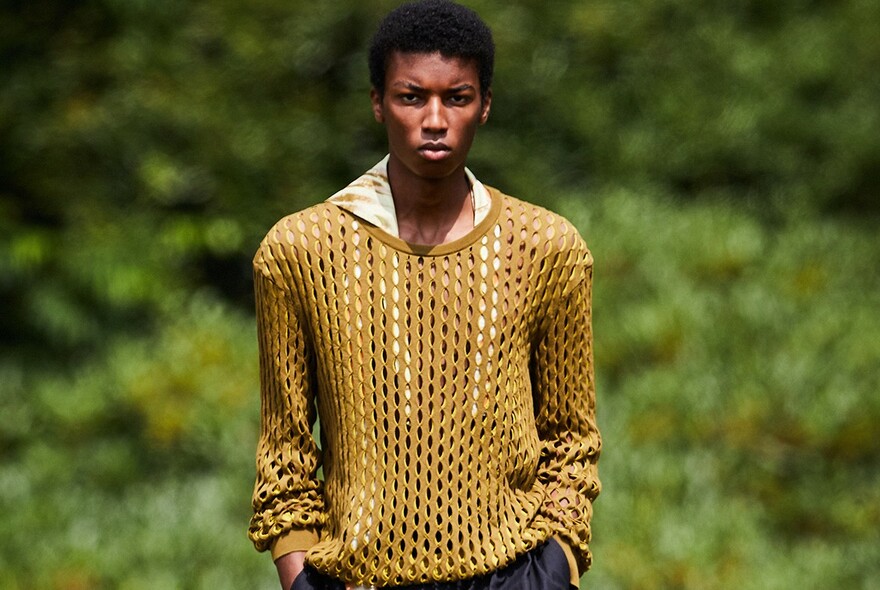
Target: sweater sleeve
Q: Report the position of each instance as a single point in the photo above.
(288, 496)
(565, 405)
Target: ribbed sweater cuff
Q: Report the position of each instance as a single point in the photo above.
(295, 540)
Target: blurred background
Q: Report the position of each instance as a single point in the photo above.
(722, 160)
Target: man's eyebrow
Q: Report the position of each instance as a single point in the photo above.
(416, 88)
(408, 85)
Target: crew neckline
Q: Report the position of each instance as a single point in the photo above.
(455, 245)
(369, 198)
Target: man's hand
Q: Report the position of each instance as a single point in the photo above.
(289, 567)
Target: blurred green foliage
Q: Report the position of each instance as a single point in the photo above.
(739, 377)
(720, 158)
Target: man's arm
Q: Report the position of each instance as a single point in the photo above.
(563, 385)
(288, 499)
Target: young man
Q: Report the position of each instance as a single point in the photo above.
(441, 331)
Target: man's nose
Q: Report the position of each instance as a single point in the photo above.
(435, 116)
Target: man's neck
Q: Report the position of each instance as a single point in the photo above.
(431, 211)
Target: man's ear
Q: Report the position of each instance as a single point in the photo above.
(376, 99)
(486, 104)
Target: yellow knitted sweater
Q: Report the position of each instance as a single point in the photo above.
(454, 385)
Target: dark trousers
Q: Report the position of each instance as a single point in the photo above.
(543, 568)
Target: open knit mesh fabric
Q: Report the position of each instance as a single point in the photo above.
(454, 386)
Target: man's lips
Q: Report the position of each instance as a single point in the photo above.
(434, 151)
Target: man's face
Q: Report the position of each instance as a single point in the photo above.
(431, 110)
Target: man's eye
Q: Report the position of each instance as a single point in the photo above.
(458, 99)
(409, 98)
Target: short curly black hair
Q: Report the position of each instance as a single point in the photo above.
(428, 26)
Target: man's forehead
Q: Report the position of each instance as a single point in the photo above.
(431, 67)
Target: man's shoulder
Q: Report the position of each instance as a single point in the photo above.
(300, 225)
(538, 225)
(304, 219)
(299, 232)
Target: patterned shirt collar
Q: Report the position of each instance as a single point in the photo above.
(369, 197)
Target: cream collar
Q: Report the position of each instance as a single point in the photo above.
(369, 197)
